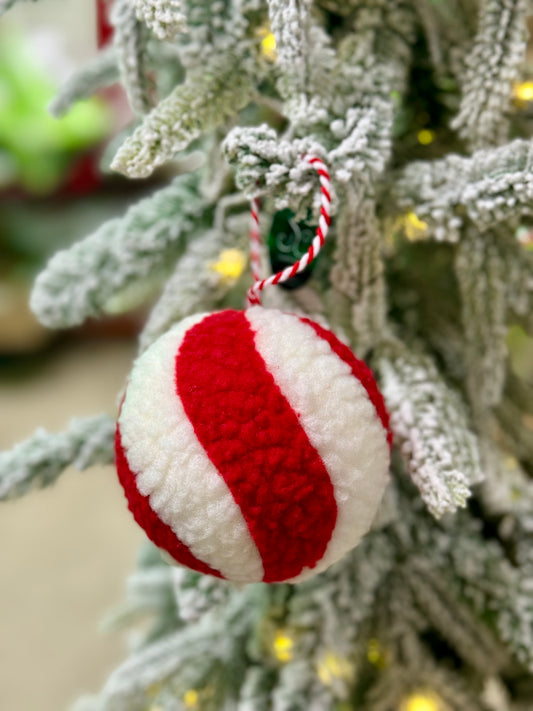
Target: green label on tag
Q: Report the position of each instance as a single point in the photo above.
(288, 241)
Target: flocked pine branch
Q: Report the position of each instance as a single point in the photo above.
(351, 587)
(150, 591)
(467, 575)
(215, 27)
(290, 22)
(374, 60)
(518, 267)
(490, 67)
(150, 594)
(431, 428)
(428, 20)
(79, 282)
(358, 272)
(311, 107)
(491, 187)
(482, 277)
(341, 7)
(313, 607)
(421, 673)
(254, 692)
(507, 489)
(298, 689)
(171, 596)
(362, 147)
(360, 140)
(98, 73)
(455, 622)
(407, 578)
(103, 70)
(41, 459)
(449, 29)
(488, 582)
(457, 20)
(129, 41)
(205, 100)
(166, 18)
(514, 621)
(181, 658)
(516, 429)
(460, 576)
(210, 607)
(264, 163)
(361, 151)
(196, 595)
(196, 285)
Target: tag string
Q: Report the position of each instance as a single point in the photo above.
(254, 292)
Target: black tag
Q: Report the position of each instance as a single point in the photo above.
(288, 241)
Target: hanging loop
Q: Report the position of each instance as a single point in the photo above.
(254, 293)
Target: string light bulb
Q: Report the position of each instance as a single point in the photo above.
(425, 136)
(375, 654)
(191, 699)
(230, 264)
(268, 43)
(523, 91)
(412, 226)
(421, 701)
(283, 646)
(332, 667)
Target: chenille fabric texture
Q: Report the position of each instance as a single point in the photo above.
(252, 445)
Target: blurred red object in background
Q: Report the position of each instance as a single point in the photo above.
(104, 28)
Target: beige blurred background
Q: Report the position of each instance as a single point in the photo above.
(64, 552)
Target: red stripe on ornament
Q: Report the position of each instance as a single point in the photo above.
(157, 531)
(359, 369)
(253, 437)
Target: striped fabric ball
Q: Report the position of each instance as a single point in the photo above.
(252, 445)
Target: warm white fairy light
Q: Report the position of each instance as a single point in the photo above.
(421, 701)
(230, 264)
(268, 43)
(425, 136)
(332, 666)
(283, 646)
(523, 91)
(191, 699)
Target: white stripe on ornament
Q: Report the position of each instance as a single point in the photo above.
(338, 417)
(185, 489)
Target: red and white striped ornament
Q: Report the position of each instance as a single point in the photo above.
(253, 445)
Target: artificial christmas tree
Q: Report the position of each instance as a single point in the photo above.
(421, 112)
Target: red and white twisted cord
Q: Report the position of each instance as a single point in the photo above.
(254, 293)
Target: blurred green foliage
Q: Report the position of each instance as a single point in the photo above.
(35, 148)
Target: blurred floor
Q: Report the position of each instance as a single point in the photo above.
(64, 552)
